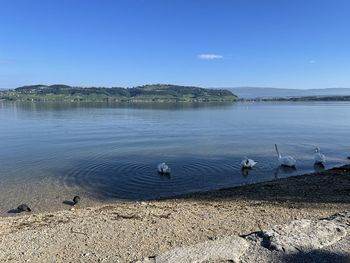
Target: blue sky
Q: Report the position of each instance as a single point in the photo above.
(275, 43)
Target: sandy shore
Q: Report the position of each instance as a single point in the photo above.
(123, 232)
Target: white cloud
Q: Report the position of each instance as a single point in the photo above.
(209, 56)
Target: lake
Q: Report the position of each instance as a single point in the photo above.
(51, 151)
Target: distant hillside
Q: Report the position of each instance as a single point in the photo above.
(157, 92)
(257, 92)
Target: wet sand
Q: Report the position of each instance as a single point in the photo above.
(122, 232)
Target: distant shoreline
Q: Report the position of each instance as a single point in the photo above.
(298, 99)
(156, 93)
(136, 101)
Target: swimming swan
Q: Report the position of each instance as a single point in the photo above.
(248, 163)
(163, 168)
(285, 160)
(319, 157)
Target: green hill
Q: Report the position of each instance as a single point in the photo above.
(158, 92)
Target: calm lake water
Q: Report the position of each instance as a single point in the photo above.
(104, 152)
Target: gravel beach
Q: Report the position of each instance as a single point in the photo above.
(126, 232)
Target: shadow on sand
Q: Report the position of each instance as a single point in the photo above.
(14, 211)
(316, 256)
(68, 202)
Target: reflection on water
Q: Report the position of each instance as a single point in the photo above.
(111, 150)
(319, 167)
(245, 171)
(284, 170)
(64, 106)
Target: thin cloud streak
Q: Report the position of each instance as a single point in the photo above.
(210, 56)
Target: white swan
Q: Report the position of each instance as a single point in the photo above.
(285, 160)
(248, 163)
(163, 168)
(319, 157)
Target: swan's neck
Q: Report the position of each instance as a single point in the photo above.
(278, 153)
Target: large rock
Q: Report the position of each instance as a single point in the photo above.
(227, 248)
(299, 241)
(302, 235)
